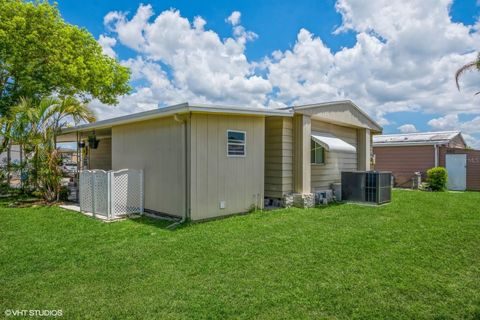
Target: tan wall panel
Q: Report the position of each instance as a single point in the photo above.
(158, 147)
(215, 177)
(364, 149)
(101, 158)
(335, 162)
(278, 156)
(301, 160)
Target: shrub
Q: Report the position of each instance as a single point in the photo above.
(437, 178)
(63, 194)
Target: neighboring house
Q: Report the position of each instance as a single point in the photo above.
(406, 154)
(203, 161)
(68, 155)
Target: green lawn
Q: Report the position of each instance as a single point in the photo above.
(418, 257)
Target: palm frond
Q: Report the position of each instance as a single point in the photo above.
(462, 70)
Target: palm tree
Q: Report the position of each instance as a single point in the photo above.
(36, 124)
(41, 121)
(468, 67)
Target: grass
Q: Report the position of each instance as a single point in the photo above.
(418, 257)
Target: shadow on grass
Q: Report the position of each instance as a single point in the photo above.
(23, 201)
(330, 205)
(160, 223)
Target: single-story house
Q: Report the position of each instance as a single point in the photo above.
(204, 161)
(406, 154)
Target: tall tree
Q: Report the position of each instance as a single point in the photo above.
(474, 65)
(42, 55)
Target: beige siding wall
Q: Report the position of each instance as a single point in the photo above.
(158, 147)
(278, 156)
(335, 162)
(239, 181)
(364, 149)
(302, 135)
(101, 158)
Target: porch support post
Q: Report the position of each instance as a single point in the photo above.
(364, 148)
(302, 130)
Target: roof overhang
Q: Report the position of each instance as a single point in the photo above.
(177, 109)
(344, 113)
(332, 143)
(404, 144)
(417, 139)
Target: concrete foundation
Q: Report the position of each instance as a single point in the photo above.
(287, 201)
(305, 200)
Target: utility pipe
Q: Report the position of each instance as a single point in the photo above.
(185, 217)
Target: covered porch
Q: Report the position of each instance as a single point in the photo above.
(101, 192)
(93, 148)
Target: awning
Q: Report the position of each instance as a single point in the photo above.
(331, 143)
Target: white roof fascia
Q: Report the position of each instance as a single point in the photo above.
(332, 143)
(412, 143)
(332, 103)
(176, 109)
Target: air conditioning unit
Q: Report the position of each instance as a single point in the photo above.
(367, 186)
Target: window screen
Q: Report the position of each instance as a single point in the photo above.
(236, 143)
(317, 153)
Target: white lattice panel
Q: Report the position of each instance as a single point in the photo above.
(100, 192)
(85, 191)
(127, 192)
(112, 193)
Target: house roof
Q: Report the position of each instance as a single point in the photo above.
(335, 112)
(417, 138)
(177, 109)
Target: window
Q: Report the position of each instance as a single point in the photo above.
(236, 143)
(317, 154)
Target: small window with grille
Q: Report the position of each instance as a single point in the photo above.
(236, 143)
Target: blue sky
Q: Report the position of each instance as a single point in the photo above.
(396, 59)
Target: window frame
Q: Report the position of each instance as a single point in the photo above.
(317, 146)
(244, 144)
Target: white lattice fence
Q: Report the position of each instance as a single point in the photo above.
(111, 193)
(127, 192)
(86, 191)
(100, 192)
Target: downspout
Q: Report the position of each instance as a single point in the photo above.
(436, 154)
(185, 133)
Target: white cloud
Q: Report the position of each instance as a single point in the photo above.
(199, 23)
(404, 59)
(234, 18)
(107, 44)
(179, 60)
(129, 32)
(407, 128)
(452, 122)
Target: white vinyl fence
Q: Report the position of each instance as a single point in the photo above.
(111, 194)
